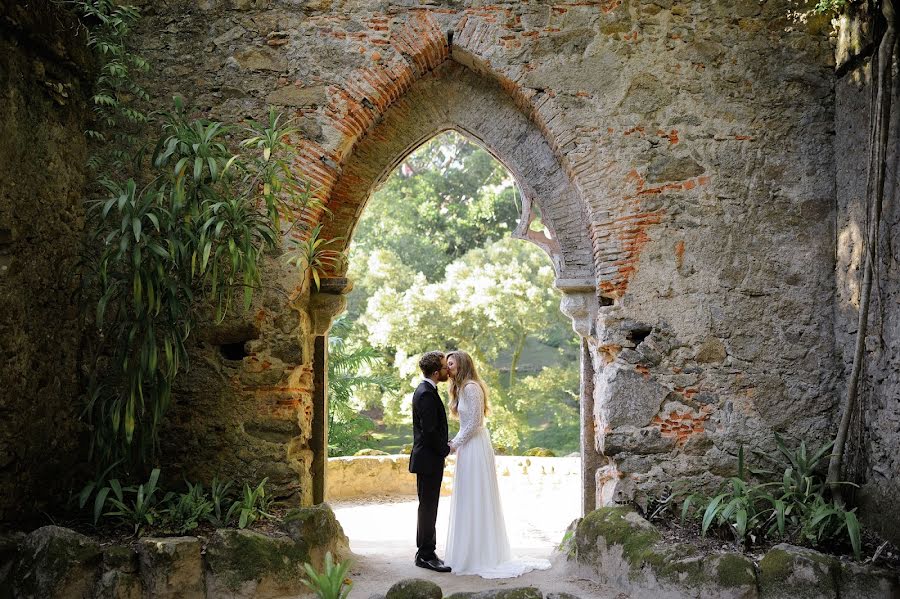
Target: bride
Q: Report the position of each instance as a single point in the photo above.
(477, 542)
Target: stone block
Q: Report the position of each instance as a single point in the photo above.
(625, 397)
(171, 567)
(243, 564)
(319, 531)
(298, 97)
(863, 581)
(789, 572)
(55, 562)
(414, 588)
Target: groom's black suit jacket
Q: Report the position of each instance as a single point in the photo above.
(430, 433)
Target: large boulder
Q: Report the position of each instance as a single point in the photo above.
(171, 567)
(858, 581)
(789, 572)
(627, 552)
(414, 588)
(244, 564)
(55, 562)
(515, 593)
(317, 529)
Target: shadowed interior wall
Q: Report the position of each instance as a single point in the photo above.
(44, 85)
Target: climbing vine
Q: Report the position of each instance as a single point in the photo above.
(178, 241)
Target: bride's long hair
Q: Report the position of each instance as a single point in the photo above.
(465, 373)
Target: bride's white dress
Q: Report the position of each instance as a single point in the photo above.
(477, 542)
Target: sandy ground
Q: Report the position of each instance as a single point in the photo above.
(382, 536)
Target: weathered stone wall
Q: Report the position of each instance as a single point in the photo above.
(43, 113)
(681, 152)
(873, 457)
(355, 477)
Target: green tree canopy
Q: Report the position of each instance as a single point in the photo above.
(446, 198)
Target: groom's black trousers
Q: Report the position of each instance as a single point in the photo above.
(428, 487)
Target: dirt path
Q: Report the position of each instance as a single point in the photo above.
(382, 537)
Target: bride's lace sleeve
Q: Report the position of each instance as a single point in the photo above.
(471, 414)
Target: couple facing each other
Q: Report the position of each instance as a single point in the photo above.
(476, 542)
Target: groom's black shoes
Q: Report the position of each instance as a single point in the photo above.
(432, 564)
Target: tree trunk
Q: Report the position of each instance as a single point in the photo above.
(514, 363)
(878, 141)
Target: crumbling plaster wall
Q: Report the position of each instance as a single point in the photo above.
(699, 138)
(44, 85)
(873, 450)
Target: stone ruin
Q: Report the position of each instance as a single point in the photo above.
(700, 166)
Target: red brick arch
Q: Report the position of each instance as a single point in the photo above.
(452, 96)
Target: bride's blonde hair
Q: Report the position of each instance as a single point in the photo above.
(465, 373)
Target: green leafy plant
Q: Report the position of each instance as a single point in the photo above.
(794, 508)
(222, 499)
(568, 544)
(350, 367)
(332, 582)
(315, 256)
(802, 512)
(252, 505)
(741, 506)
(171, 251)
(141, 510)
(186, 511)
(116, 90)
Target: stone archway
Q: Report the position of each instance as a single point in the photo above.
(452, 96)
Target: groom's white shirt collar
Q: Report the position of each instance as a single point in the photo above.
(430, 382)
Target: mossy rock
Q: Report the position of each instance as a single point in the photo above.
(319, 531)
(621, 526)
(406, 449)
(55, 562)
(516, 593)
(365, 452)
(414, 588)
(789, 572)
(461, 595)
(540, 452)
(864, 581)
(255, 564)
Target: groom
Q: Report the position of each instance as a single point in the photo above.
(430, 447)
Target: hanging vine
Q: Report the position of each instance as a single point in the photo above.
(882, 94)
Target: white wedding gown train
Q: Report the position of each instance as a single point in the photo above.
(477, 542)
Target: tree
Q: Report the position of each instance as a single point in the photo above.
(446, 198)
(349, 369)
(493, 300)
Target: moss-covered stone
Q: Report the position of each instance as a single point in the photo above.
(55, 562)
(319, 531)
(243, 562)
(414, 588)
(790, 572)
(365, 452)
(618, 525)
(517, 593)
(863, 581)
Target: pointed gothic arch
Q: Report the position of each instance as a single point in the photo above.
(453, 96)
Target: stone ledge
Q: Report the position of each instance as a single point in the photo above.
(57, 562)
(389, 476)
(625, 551)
